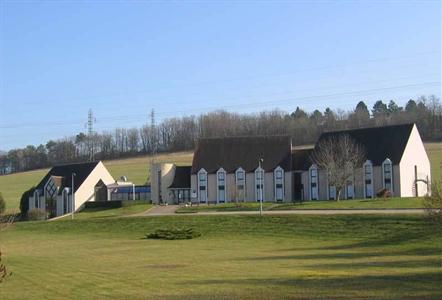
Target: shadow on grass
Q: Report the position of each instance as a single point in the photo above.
(423, 285)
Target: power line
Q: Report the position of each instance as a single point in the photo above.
(121, 117)
(329, 67)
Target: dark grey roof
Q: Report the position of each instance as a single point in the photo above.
(181, 180)
(301, 159)
(82, 171)
(231, 153)
(379, 142)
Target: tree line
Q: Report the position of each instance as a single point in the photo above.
(179, 134)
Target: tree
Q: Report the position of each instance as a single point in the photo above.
(362, 110)
(379, 109)
(338, 155)
(411, 106)
(393, 108)
(433, 203)
(299, 114)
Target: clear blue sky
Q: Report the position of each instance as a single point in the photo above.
(121, 59)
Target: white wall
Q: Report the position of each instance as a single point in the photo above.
(86, 191)
(414, 155)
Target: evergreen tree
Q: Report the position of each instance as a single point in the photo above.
(379, 109)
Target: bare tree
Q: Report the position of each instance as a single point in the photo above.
(338, 155)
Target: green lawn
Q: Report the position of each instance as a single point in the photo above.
(377, 203)
(237, 257)
(434, 151)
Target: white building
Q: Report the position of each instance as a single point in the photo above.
(54, 192)
(228, 169)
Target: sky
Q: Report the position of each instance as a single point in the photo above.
(121, 59)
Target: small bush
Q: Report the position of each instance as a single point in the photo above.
(433, 203)
(384, 193)
(2, 204)
(36, 214)
(173, 234)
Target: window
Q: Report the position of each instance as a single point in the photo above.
(368, 179)
(66, 207)
(349, 184)
(279, 184)
(387, 175)
(221, 185)
(50, 190)
(202, 186)
(36, 200)
(313, 172)
(240, 184)
(331, 192)
(349, 189)
(259, 184)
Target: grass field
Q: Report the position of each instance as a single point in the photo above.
(237, 257)
(136, 169)
(343, 204)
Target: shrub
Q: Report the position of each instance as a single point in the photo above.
(24, 202)
(2, 204)
(384, 193)
(433, 203)
(173, 234)
(36, 214)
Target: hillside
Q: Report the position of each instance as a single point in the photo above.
(136, 170)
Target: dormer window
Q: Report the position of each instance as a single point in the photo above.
(368, 179)
(387, 175)
(313, 176)
(240, 179)
(202, 186)
(221, 185)
(279, 184)
(259, 184)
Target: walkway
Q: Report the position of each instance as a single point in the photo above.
(158, 210)
(169, 210)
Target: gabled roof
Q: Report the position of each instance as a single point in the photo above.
(379, 142)
(63, 173)
(181, 180)
(231, 153)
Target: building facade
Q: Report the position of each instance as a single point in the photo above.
(88, 182)
(248, 169)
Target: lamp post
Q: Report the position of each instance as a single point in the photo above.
(261, 185)
(73, 195)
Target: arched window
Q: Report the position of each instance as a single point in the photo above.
(259, 184)
(202, 186)
(368, 179)
(387, 175)
(240, 180)
(279, 184)
(313, 178)
(221, 185)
